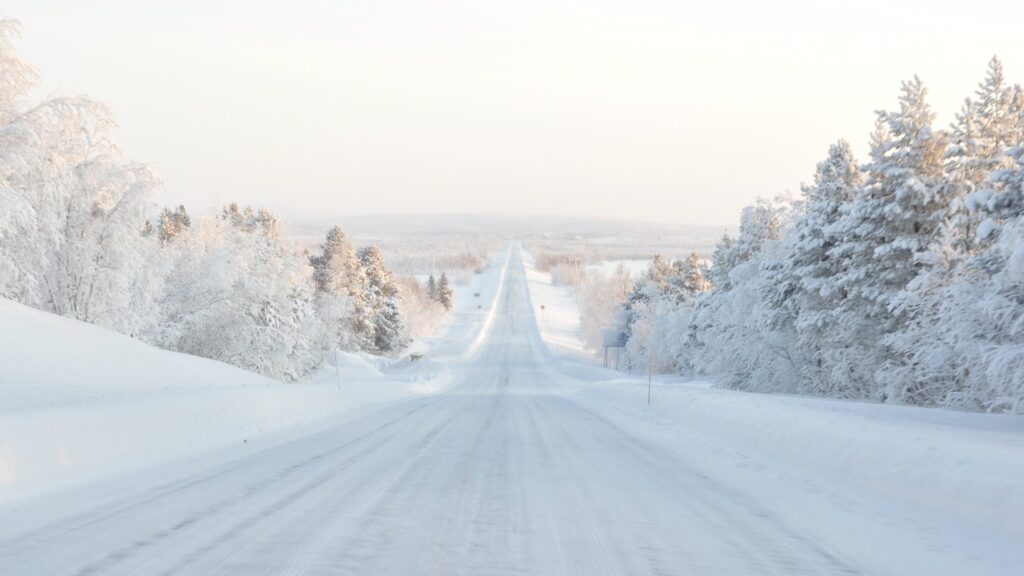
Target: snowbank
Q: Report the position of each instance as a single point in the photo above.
(959, 476)
(79, 403)
(948, 466)
(559, 320)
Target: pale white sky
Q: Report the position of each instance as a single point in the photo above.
(641, 109)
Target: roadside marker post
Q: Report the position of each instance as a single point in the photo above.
(650, 376)
(337, 368)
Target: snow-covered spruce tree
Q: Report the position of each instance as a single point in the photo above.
(984, 128)
(689, 279)
(443, 292)
(736, 327)
(382, 295)
(74, 211)
(721, 257)
(648, 287)
(1001, 198)
(899, 212)
(809, 270)
(886, 236)
(657, 313)
(966, 341)
(638, 306)
(432, 288)
(941, 346)
(996, 383)
(341, 287)
(171, 223)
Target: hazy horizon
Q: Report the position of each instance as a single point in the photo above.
(653, 112)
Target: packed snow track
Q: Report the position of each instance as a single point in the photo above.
(504, 473)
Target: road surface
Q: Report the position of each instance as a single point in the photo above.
(504, 473)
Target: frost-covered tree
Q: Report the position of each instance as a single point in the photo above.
(600, 304)
(899, 212)
(341, 284)
(16, 77)
(689, 279)
(432, 288)
(964, 343)
(721, 261)
(886, 236)
(735, 326)
(655, 315)
(337, 268)
(937, 347)
(647, 289)
(1005, 189)
(74, 212)
(172, 222)
(382, 294)
(985, 127)
(810, 270)
(443, 292)
(1001, 199)
(421, 312)
(901, 281)
(238, 293)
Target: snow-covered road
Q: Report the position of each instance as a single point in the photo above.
(507, 472)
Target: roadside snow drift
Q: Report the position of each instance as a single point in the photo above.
(897, 471)
(79, 402)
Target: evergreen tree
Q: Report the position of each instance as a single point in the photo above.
(172, 223)
(898, 215)
(720, 261)
(812, 269)
(963, 346)
(337, 269)
(1005, 203)
(985, 127)
(735, 326)
(887, 235)
(432, 288)
(445, 296)
(339, 274)
(389, 332)
(688, 279)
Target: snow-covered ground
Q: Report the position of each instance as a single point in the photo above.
(948, 484)
(535, 460)
(557, 314)
(636, 268)
(79, 403)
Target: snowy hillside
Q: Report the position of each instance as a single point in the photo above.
(78, 402)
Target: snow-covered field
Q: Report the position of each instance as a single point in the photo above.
(558, 320)
(535, 460)
(636, 268)
(886, 479)
(79, 403)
